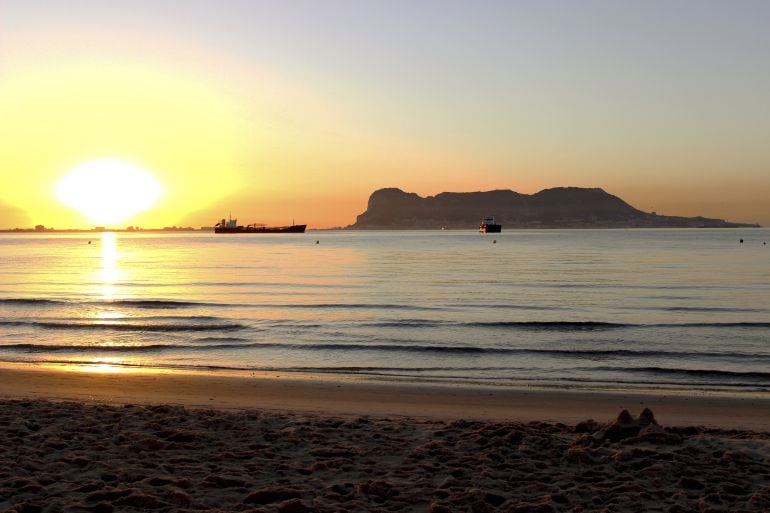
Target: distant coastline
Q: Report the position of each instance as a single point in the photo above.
(100, 229)
(560, 208)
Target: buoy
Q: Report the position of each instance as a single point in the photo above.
(316, 242)
(494, 241)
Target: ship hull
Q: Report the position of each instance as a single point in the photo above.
(296, 228)
(490, 228)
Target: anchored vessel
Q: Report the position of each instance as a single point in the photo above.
(231, 226)
(488, 225)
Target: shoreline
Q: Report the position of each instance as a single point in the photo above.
(327, 396)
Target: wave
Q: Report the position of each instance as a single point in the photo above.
(208, 323)
(562, 325)
(117, 348)
(704, 379)
(119, 326)
(716, 325)
(557, 326)
(600, 325)
(702, 373)
(550, 325)
(50, 348)
(138, 303)
(153, 303)
(224, 339)
(353, 306)
(577, 353)
(131, 318)
(166, 318)
(405, 323)
(31, 301)
(241, 343)
(730, 380)
(710, 309)
(504, 306)
(523, 325)
(172, 303)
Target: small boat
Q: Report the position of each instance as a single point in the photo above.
(231, 226)
(488, 225)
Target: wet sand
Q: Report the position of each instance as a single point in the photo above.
(107, 442)
(323, 395)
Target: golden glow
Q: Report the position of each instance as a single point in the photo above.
(54, 118)
(108, 191)
(109, 272)
(107, 365)
(110, 315)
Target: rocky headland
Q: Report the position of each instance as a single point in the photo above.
(560, 207)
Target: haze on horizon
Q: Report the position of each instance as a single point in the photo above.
(279, 110)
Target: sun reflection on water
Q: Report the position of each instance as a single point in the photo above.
(110, 315)
(96, 365)
(110, 273)
(107, 365)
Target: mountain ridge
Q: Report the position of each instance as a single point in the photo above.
(559, 207)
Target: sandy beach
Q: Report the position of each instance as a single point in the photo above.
(86, 441)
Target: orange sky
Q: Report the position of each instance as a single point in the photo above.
(274, 113)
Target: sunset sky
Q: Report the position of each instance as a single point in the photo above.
(283, 110)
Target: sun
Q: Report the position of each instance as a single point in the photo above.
(108, 191)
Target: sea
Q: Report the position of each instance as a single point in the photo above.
(684, 309)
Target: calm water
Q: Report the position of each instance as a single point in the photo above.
(607, 308)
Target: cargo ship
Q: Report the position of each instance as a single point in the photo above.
(231, 226)
(488, 225)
